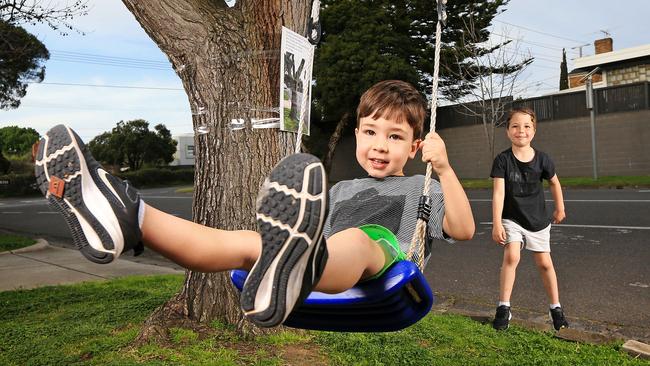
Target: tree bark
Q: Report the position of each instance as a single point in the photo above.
(228, 61)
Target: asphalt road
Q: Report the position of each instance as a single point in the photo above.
(601, 254)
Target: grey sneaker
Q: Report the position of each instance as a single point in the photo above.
(502, 318)
(292, 207)
(101, 211)
(559, 321)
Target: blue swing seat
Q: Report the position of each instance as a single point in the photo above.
(396, 300)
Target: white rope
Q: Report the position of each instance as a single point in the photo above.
(416, 249)
(306, 97)
(315, 11)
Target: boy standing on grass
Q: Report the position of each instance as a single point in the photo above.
(289, 256)
(519, 215)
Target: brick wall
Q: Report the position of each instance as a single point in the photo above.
(622, 141)
(629, 75)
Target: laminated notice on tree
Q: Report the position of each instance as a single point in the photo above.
(296, 60)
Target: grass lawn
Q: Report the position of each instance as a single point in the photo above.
(12, 242)
(94, 323)
(578, 182)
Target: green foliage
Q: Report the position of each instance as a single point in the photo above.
(456, 340)
(133, 144)
(18, 185)
(564, 72)
(13, 242)
(21, 62)
(157, 177)
(96, 323)
(5, 165)
(67, 324)
(21, 164)
(576, 182)
(365, 42)
(16, 140)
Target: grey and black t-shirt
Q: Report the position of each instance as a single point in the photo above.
(391, 202)
(524, 193)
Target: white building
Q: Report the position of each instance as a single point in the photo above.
(184, 154)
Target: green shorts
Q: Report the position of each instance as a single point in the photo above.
(388, 241)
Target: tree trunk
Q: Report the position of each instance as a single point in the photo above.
(228, 61)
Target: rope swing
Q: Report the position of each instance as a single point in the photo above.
(401, 296)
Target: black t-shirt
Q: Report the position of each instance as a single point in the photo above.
(524, 192)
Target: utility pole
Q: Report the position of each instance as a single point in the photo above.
(580, 48)
(590, 105)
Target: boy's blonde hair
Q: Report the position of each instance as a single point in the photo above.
(396, 100)
(522, 110)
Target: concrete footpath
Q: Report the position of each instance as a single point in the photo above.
(43, 265)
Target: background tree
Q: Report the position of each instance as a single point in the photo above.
(22, 55)
(227, 59)
(161, 146)
(16, 140)
(364, 42)
(105, 149)
(56, 15)
(495, 65)
(564, 72)
(22, 58)
(133, 144)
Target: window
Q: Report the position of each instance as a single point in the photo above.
(189, 151)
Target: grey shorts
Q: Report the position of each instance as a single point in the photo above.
(536, 241)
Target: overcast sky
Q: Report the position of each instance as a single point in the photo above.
(115, 72)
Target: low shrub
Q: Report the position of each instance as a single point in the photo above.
(157, 177)
(18, 185)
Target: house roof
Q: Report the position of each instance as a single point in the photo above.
(625, 54)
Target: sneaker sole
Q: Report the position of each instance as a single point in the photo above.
(62, 158)
(292, 207)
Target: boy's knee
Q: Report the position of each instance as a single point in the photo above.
(348, 237)
(511, 259)
(544, 264)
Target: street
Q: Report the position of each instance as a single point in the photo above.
(600, 252)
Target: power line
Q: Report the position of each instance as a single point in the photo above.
(538, 44)
(96, 59)
(111, 86)
(126, 65)
(540, 32)
(116, 58)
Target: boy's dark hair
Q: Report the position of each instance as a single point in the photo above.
(522, 110)
(394, 99)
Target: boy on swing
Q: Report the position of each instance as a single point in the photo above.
(299, 247)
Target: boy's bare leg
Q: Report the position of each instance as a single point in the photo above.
(511, 255)
(547, 271)
(353, 256)
(197, 247)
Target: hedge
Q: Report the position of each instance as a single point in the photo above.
(157, 177)
(18, 185)
(12, 185)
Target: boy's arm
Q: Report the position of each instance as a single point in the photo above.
(556, 191)
(498, 196)
(458, 221)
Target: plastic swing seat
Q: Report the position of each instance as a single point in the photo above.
(396, 300)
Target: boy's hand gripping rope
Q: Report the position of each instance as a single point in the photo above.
(416, 249)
